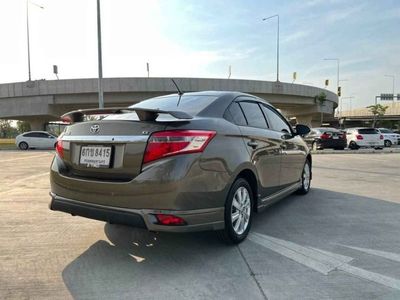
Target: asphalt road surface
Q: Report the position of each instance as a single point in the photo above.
(341, 241)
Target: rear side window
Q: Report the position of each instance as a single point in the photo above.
(276, 122)
(235, 115)
(253, 114)
(36, 135)
(368, 131)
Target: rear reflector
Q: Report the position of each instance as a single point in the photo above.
(167, 143)
(170, 220)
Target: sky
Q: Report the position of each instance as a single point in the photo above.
(189, 38)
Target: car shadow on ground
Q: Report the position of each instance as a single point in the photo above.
(136, 262)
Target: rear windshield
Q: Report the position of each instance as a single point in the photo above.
(328, 130)
(191, 104)
(385, 131)
(368, 131)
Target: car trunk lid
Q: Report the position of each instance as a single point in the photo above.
(107, 149)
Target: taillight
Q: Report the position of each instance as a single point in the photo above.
(60, 149)
(381, 137)
(359, 137)
(343, 136)
(169, 220)
(167, 143)
(61, 146)
(325, 136)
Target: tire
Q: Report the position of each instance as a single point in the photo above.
(387, 143)
(23, 146)
(353, 146)
(305, 179)
(378, 148)
(236, 231)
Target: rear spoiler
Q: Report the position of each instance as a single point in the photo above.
(144, 114)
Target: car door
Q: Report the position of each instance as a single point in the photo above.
(263, 145)
(49, 141)
(31, 139)
(294, 151)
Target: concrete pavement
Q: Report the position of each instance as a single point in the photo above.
(340, 241)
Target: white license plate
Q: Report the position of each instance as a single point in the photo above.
(335, 137)
(95, 156)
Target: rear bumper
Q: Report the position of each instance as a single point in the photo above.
(327, 144)
(362, 143)
(197, 220)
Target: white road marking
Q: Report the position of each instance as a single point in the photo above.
(384, 254)
(323, 261)
(25, 157)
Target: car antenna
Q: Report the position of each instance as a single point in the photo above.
(180, 93)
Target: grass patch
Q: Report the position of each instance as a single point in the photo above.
(8, 144)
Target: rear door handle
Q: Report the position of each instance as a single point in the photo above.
(252, 144)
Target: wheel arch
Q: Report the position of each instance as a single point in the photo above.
(251, 178)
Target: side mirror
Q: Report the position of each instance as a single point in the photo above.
(302, 130)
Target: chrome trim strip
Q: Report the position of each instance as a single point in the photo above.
(106, 138)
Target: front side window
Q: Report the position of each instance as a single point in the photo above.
(276, 122)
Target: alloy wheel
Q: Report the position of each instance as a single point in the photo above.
(240, 210)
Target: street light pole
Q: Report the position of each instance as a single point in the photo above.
(27, 36)
(393, 78)
(277, 46)
(338, 70)
(100, 61)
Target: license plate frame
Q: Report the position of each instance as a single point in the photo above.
(95, 156)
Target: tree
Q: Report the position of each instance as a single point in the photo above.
(5, 128)
(23, 126)
(321, 98)
(378, 110)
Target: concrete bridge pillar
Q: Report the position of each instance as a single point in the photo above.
(305, 120)
(37, 125)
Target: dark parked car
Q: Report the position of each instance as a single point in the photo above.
(178, 163)
(326, 138)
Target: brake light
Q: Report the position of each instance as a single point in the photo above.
(325, 136)
(61, 146)
(168, 143)
(343, 136)
(359, 137)
(60, 149)
(381, 137)
(170, 220)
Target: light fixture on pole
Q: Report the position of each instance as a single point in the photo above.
(100, 60)
(277, 45)
(148, 69)
(55, 70)
(230, 72)
(27, 35)
(393, 78)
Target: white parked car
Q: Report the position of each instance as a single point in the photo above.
(36, 139)
(389, 137)
(364, 137)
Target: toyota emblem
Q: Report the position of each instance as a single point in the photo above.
(95, 128)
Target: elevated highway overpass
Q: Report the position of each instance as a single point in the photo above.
(39, 102)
